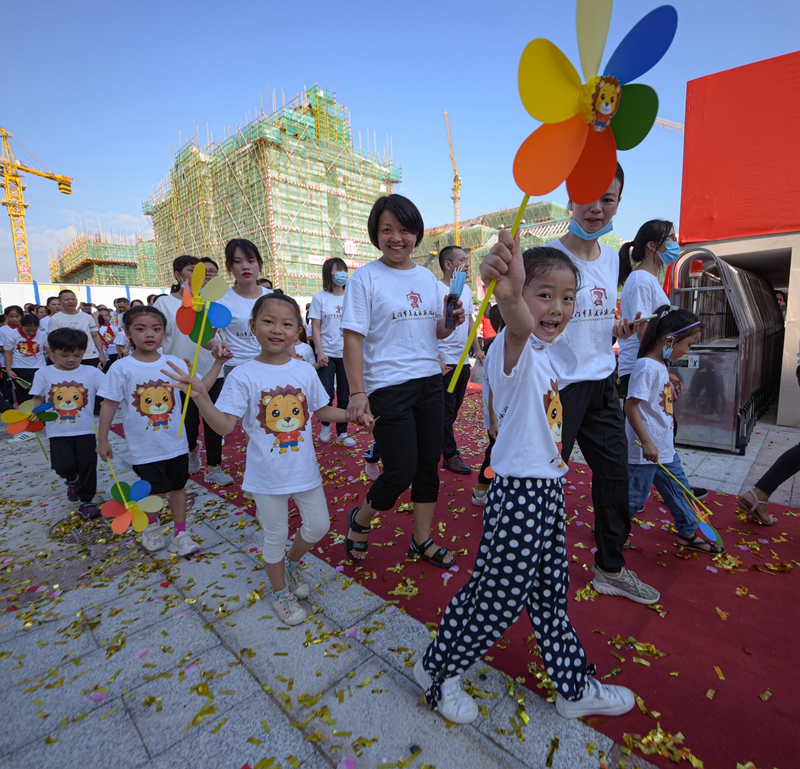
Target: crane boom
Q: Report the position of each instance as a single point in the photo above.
(15, 202)
(456, 185)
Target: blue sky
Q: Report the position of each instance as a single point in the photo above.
(100, 91)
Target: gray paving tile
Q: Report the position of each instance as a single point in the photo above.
(339, 596)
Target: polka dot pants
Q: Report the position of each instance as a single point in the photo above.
(521, 564)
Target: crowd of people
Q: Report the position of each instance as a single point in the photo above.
(383, 344)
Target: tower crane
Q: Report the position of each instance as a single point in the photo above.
(15, 202)
(456, 184)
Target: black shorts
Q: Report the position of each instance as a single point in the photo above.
(165, 476)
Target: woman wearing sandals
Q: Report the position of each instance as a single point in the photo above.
(392, 321)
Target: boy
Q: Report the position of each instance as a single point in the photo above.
(70, 317)
(72, 388)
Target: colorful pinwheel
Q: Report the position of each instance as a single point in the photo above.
(30, 418)
(200, 313)
(130, 504)
(584, 124)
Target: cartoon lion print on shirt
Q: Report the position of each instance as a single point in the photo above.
(155, 401)
(665, 400)
(69, 399)
(283, 412)
(555, 418)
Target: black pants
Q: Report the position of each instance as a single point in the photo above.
(213, 440)
(521, 564)
(74, 457)
(409, 433)
(487, 461)
(327, 374)
(784, 468)
(109, 360)
(94, 362)
(22, 391)
(593, 417)
(452, 404)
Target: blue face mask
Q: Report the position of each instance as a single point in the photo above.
(672, 253)
(576, 229)
(339, 278)
(666, 351)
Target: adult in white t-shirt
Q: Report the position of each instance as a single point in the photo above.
(452, 258)
(653, 247)
(325, 315)
(181, 346)
(71, 317)
(392, 321)
(243, 261)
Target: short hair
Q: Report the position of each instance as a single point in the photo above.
(541, 260)
(134, 303)
(247, 246)
(327, 271)
(66, 291)
(68, 340)
(122, 299)
(152, 297)
(51, 299)
(14, 308)
(444, 255)
(29, 319)
(209, 260)
(276, 298)
(262, 281)
(406, 212)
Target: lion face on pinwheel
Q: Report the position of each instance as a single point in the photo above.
(68, 396)
(606, 98)
(283, 410)
(153, 399)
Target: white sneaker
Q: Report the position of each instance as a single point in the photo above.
(479, 497)
(598, 700)
(183, 544)
(152, 538)
(287, 608)
(194, 462)
(627, 585)
(325, 434)
(219, 476)
(296, 582)
(455, 704)
(373, 470)
(345, 440)
(22, 437)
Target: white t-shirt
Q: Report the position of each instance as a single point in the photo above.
(80, 321)
(275, 404)
(451, 348)
(241, 340)
(73, 393)
(305, 352)
(586, 353)
(178, 344)
(44, 323)
(641, 293)
(121, 340)
(529, 413)
(327, 309)
(151, 411)
(397, 312)
(650, 383)
(487, 389)
(25, 353)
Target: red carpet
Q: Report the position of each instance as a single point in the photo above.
(725, 632)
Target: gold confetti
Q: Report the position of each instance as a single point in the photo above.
(219, 726)
(640, 661)
(254, 741)
(722, 614)
(710, 693)
(766, 695)
(719, 673)
(265, 727)
(110, 713)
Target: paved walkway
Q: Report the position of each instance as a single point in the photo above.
(123, 659)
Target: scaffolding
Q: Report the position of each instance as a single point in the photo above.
(101, 258)
(291, 181)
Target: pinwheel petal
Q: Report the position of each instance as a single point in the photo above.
(121, 523)
(549, 85)
(184, 319)
(638, 107)
(219, 316)
(592, 18)
(25, 408)
(139, 490)
(48, 416)
(44, 407)
(35, 426)
(547, 157)
(208, 329)
(151, 504)
(187, 295)
(15, 428)
(707, 530)
(642, 48)
(595, 169)
(11, 416)
(198, 277)
(215, 289)
(139, 518)
(112, 508)
(118, 489)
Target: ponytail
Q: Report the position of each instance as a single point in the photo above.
(625, 263)
(634, 251)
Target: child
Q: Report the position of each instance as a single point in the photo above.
(274, 395)
(150, 416)
(649, 410)
(524, 536)
(303, 351)
(489, 418)
(108, 332)
(71, 387)
(23, 353)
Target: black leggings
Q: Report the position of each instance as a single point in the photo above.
(409, 432)
(192, 423)
(327, 374)
(784, 468)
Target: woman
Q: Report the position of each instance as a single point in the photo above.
(326, 317)
(178, 344)
(243, 261)
(391, 321)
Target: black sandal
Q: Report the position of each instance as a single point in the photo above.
(696, 542)
(437, 559)
(351, 546)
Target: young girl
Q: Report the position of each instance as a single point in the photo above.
(304, 351)
(150, 415)
(522, 559)
(649, 410)
(23, 352)
(274, 396)
(108, 333)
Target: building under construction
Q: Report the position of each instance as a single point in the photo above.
(102, 259)
(290, 181)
